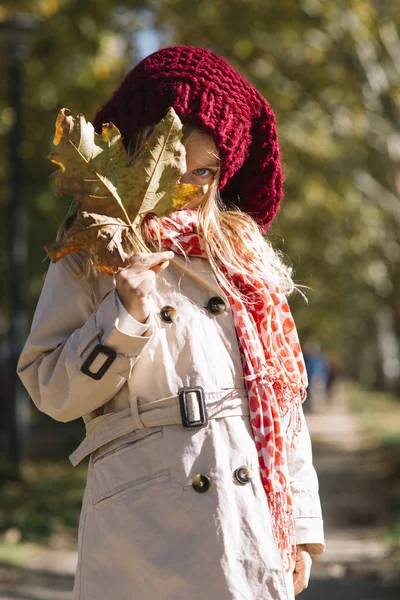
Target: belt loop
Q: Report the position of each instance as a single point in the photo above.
(137, 422)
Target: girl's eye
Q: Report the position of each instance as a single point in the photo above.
(202, 172)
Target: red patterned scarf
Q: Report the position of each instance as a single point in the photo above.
(273, 369)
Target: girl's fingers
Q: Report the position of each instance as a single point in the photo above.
(139, 278)
(144, 283)
(147, 284)
(301, 574)
(158, 268)
(299, 583)
(143, 262)
(136, 284)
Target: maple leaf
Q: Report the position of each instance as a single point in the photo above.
(114, 193)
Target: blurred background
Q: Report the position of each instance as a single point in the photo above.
(331, 71)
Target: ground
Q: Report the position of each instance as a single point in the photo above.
(357, 495)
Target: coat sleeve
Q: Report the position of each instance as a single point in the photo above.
(304, 486)
(66, 327)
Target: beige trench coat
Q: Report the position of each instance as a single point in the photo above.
(145, 532)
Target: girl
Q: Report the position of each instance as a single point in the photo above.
(186, 366)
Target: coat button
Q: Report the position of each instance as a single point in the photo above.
(201, 483)
(168, 314)
(216, 305)
(243, 475)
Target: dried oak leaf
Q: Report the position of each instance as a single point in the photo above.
(115, 194)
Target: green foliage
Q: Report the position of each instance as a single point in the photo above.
(392, 535)
(77, 56)
(11, 554)
(46, 502)
(380, 414)
(331, 71)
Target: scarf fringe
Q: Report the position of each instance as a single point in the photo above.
(283, 529)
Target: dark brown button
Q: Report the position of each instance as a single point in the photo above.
(216, 305)
(201, 483)
(243, 475)
(168, 314)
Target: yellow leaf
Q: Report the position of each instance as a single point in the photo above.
(113, 194)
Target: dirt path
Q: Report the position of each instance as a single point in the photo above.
(354, 483)
(355, 479)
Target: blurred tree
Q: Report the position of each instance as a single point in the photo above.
(331, 72)
(80, 53)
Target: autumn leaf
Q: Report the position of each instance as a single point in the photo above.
(113, 193)
(107, 240)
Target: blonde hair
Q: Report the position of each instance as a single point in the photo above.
(231, 239)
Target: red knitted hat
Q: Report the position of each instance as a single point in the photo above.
(207, 92)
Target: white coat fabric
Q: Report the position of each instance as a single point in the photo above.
(145, 532)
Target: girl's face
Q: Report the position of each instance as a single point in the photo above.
(201, 162)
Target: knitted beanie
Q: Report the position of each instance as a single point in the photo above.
(207, 92)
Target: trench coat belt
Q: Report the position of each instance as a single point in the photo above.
(165, 411)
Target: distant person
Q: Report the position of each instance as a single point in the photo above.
(318, 373)
(333, 368)
(187, 369)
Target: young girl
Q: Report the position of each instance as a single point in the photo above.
(186, 366)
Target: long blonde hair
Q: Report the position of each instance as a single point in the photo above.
(230, 237)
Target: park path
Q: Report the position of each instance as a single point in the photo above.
(354, 479)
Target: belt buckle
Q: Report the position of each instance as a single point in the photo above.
(186, 422)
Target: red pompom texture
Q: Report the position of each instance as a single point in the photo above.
(207, 92)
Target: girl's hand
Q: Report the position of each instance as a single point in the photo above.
(136, 282)
(302, 570)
